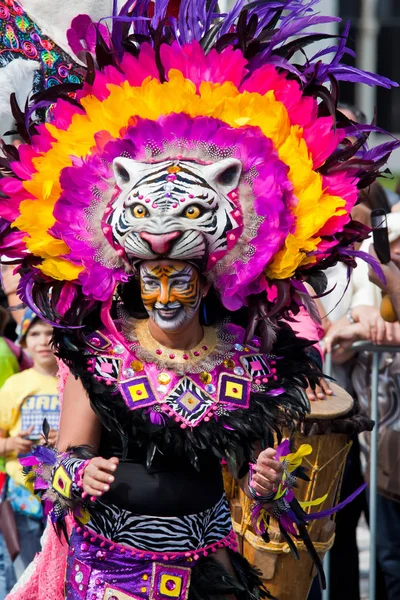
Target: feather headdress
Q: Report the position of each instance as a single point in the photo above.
(196, 135)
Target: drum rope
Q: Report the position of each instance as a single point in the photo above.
(282, 547)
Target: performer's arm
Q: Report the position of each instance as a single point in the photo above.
(79, 426)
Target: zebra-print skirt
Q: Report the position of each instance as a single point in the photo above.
(162, 534)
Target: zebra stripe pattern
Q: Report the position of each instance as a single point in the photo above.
(162, 534)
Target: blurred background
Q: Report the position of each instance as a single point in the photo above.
(375, 36)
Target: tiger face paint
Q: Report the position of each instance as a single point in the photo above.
(171, 292)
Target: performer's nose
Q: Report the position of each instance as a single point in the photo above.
(160, 243)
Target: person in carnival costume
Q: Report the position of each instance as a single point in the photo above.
(164, 220)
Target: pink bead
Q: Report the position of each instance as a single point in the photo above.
(140, 196)
(185, 357)
(183, 200)
(183, 426)
(172, 356)
(196, 353)
(86, 534)
(158, 351)
(204, 348)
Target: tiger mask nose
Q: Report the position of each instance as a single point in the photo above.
(160, 243)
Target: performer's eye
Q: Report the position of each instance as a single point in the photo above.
(139, 211)
(192, 212)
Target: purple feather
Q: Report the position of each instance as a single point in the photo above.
(45, 455)
(331, 511)
(367, 258)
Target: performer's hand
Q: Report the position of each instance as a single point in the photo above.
(98, 475)
(267, 473)
(320, 391)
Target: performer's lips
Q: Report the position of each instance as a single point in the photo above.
(168, 313)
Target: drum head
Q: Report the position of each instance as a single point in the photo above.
(333, 406)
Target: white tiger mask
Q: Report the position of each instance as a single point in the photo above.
(178, 209)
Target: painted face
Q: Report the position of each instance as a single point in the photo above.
(171, 292)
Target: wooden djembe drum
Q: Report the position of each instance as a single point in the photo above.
(284, 576)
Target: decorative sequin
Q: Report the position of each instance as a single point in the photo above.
(238, 371)
(128, 373)
(118, 349)
(164, 378)
(238, 347)
(229, 363)
(205, 377)
(79, 577)
(137, 365)
(210, 388)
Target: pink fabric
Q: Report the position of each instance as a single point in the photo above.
(44, 578)
(62, 375)
(306, 328)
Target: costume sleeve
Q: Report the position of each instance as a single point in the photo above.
(57, 479)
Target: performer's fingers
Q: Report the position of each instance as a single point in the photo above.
(265, 480)
(268, 475)
(109, 465)
(262, 490)
(325, 386)
(90, 491)
(98, 486)
(270, 463)
(99, 475)
(268, 453)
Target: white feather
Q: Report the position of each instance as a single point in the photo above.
(15, 77)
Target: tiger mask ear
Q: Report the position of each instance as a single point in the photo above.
(224, 175)
(126, 171)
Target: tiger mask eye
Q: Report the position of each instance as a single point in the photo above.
(139, 211)
(192, 212)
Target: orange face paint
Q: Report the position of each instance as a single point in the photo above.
(171, 292)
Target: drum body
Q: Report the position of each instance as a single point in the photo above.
(284, 576)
